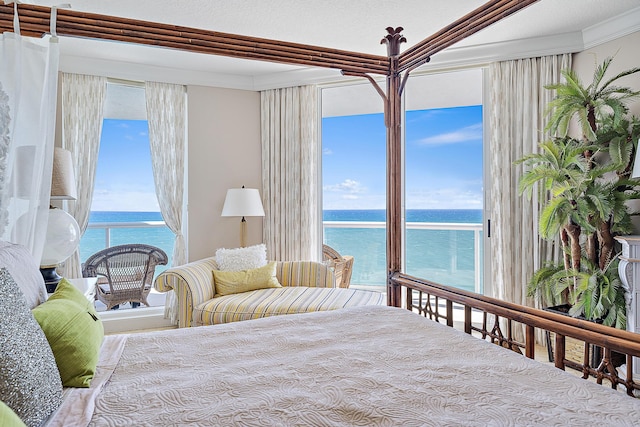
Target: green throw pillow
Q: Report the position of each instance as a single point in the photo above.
(8, 418)
(235, 282)
(66, 290)
(74, 331)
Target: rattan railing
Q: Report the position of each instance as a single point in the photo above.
(499, 320)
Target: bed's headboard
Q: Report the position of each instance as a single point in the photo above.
(25, 271)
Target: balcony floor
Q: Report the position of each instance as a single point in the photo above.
(155, 298)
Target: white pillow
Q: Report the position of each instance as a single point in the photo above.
(242, 258)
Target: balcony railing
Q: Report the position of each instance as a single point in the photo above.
(100, 235)
(108, 226)
(449, 253)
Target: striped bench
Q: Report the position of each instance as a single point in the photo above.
(306, 286)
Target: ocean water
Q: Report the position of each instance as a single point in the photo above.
(94, 240)
(444, 256)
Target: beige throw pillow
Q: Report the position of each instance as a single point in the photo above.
(235, 282)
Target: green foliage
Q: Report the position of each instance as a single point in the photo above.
(548, 283)
(600, 295)
(587, 184)
(597, 100)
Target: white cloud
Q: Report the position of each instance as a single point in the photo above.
(348, 186)
(125, 201)
(469, 133)
(327, 151)
(445, 198)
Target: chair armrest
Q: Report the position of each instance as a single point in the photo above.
(305, 273)
(192, 283)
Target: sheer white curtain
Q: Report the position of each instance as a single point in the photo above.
(166, 115)
(28, 88)
(518, 119)
(290, 172)
(82, 115)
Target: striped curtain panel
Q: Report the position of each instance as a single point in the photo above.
(166, 115)
(290, 173)
(518, 119)
(82, 115)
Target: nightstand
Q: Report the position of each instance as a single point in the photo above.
(86, 285)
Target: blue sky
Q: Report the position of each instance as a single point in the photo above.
(124, 179)
(443, 162)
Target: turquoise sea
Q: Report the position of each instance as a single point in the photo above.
(443, 255)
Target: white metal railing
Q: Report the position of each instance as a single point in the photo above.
(476, 228)
(110, 225)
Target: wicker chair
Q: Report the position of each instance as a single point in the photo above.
(125, 273)
(342, 265)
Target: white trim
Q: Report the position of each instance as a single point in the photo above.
(477, 55)
(116, 321)
(611, 29)
(138, 71)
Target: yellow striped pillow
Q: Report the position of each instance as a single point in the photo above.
(235, 282)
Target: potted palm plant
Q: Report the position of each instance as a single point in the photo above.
(588, 183)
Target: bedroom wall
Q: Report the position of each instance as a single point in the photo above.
(224, 152)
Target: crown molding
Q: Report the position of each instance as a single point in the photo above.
(453, 57)
(611, 29)
(136, 71)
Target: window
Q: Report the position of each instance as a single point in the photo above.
(124, 208)
(353, 179)
(443, 168)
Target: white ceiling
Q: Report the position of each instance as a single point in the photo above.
(549, 26)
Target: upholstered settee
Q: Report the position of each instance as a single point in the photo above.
(305, 286)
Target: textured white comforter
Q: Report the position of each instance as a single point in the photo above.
(364, 366)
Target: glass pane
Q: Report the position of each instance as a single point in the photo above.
(124, 192)
(444, 187)
(354, 181)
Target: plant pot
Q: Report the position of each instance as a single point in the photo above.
(617, 359)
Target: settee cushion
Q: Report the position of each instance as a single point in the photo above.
(234, 282)
(277, 301)
(239, 259)
(74, 332)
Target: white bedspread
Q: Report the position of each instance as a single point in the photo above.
(365, 366)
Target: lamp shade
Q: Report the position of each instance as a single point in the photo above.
(242, 202)
(63, 182)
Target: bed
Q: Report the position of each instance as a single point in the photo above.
(369, 365)
(362, 366)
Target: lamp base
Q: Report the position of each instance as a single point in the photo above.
(51, 278)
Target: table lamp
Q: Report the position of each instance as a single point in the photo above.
(63, 232)
(243, 202)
